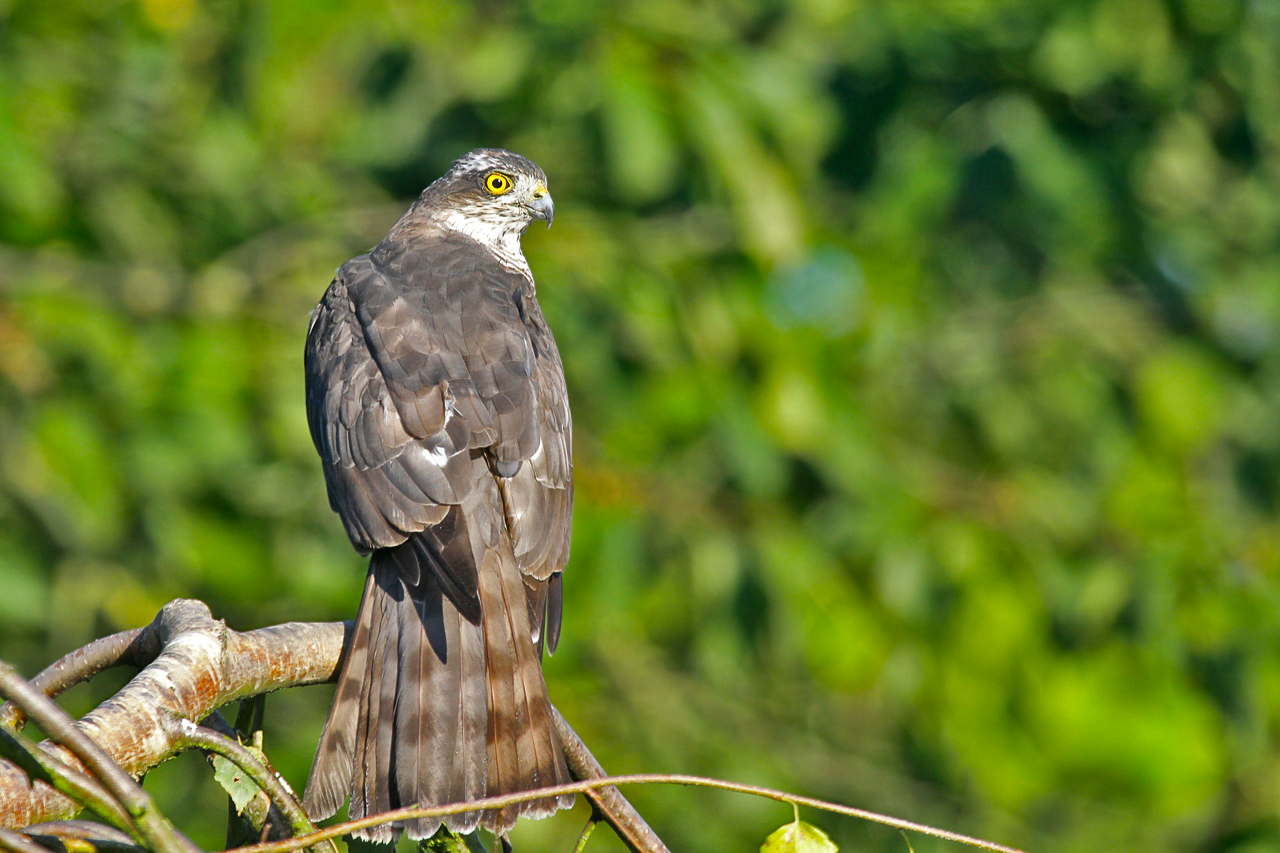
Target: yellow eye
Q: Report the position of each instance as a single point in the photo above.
(497, 183)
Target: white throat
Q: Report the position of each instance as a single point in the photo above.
(499, 235)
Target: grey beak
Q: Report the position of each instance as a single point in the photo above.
(543, 207)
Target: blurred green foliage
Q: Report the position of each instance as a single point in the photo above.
(923, 355)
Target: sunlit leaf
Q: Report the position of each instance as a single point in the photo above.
(798, 837)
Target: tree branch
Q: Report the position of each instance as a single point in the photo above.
(201, 667)
(45, 766)
(607, 802)
(137, 647)
(152, 826)
(411, 812)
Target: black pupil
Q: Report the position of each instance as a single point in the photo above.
(497, 182)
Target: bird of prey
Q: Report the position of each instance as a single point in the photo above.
(436, 398)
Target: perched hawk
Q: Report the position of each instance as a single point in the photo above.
(436, 398)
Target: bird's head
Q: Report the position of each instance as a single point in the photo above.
(492, 195)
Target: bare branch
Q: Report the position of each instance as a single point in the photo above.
(203, 665)
(44, 765)
(608, 802)
(154, 828)
(133, 648)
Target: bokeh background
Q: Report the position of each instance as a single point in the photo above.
(923, 357)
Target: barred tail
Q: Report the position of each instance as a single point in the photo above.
(433, 709)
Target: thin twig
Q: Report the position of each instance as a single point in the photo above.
(156, 829)
(250, 824)
(488, 803)
(608, 803)
(217, 723)
(136, 647)
(18, 843)
(231, 749)
(53, 771)
(592, 822)
(104, 839)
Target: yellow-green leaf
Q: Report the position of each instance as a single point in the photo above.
(798, 837)
(447, 841)
(235, 782)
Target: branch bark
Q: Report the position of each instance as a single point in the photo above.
(202, 665)
(152, 827)
(137, 647)
(608, 803)
(199, 665)
(94, 837)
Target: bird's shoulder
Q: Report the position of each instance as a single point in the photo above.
(437, 310)
(418, 354)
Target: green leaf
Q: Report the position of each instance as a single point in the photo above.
(798, 837)
(447, 841)
(235, 782)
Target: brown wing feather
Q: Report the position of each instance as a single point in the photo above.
(406, 376)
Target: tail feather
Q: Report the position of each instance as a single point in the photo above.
(535, 592)
(372, 792)
(524, 752)
(432, 746)
(505, 719)
(412, 754)
(471, 760)
(432, 708)
(330, 780)
(544, 756)
(419, 763)
(555, 606)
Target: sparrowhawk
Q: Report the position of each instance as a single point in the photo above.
(436, 398)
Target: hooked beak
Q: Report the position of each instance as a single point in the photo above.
(542, 207)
